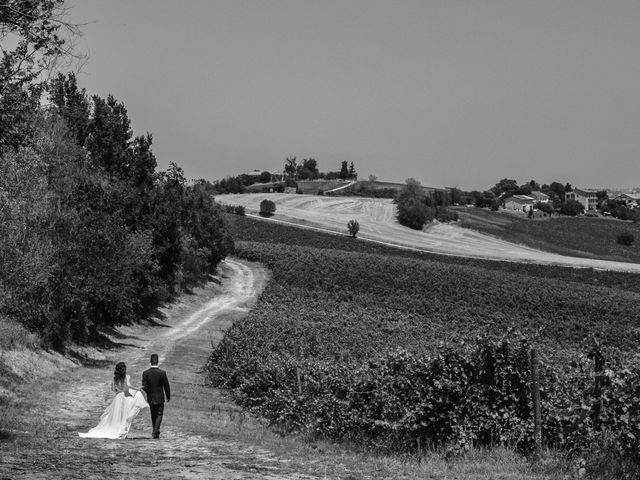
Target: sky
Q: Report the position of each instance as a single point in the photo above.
(451, 93)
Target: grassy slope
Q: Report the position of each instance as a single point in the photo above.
(575, 236)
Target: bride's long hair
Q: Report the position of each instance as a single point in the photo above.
(120, 372)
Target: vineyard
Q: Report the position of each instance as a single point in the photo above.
(401, 351)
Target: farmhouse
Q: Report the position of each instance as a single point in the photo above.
(521, 203)
(586, 197)
(540, 197)
(631, 200)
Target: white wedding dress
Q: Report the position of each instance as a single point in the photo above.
(116, 420)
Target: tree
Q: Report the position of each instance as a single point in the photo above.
(544, 207)
(372, 178)
(602, 196)
(353, 175)
(72, 104)
(523, 190)
(265, 177)
(455, 196)
(291, 167)
(411, 204)
(308, 169)
(267, 208)
(572, 208)
(141, 163)
(558, 189)
(505, 186)
(354, 228)
(44, 37)
(109, 135)
(486, 199)
(43, 40)
(344, 170)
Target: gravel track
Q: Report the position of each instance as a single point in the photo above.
(195, 439)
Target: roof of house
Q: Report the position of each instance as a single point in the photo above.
(586, 192)
(632, 196)
(540, 196)
(521, 199)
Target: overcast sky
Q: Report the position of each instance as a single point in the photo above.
(452, 93)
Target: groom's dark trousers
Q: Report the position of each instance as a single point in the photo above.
(156, 385)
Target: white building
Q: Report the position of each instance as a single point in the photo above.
(588, 198)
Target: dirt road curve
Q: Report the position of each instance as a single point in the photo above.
(378, 223)
(196, 440)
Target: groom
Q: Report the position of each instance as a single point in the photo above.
(156, 386)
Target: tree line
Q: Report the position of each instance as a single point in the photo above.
(293, 171)
(91, 235)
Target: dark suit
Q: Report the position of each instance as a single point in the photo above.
(156, 385)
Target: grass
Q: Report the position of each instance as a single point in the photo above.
(13, 336)
(585, 237)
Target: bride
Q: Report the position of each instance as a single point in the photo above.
(125, 406)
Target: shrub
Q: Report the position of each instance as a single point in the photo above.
(443, 214)
(239, 210)
(267, 208)
(544, 207)
(13, 335)
(625, 238)
(354, 228)
(572, 208)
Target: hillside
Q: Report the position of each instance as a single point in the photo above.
(575, 236)
(378, 223)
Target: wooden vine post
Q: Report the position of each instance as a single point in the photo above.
(535, 396)
(598, 358)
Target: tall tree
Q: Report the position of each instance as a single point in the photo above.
(344, 170)
(308, 169)
(72, 104)
(291, 167)
(42, 40)
(353, 175)
(109, 135)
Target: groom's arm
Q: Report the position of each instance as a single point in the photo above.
(145, 382)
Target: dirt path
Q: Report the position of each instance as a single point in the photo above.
(197, 435)
(378, 224)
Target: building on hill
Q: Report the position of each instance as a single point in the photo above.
(520, 203)
(587, 197)
(540, 197)
(631, 200)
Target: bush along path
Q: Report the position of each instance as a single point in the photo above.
(197, 431)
